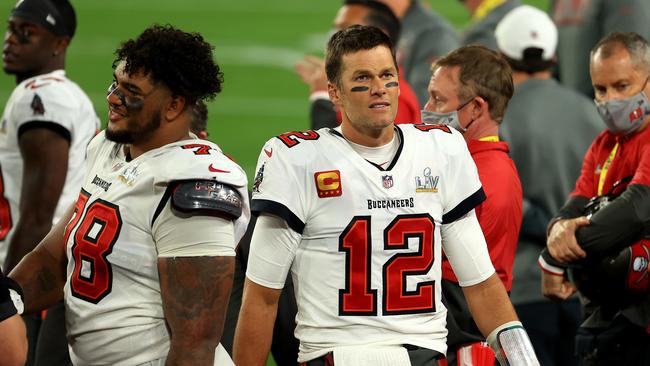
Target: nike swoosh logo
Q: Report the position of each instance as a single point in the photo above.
(36, 86)
(215, 170)
(268, 152)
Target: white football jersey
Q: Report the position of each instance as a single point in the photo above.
(112, 295)
(56, 100)
(367, 269)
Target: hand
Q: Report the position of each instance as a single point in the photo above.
(555, 287)
(311, 70)
(561, 242)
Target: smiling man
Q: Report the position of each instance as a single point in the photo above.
(144, 259)
(357, 214)
(46, 126)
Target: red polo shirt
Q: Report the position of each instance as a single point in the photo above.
(500, 214)
(631, 159)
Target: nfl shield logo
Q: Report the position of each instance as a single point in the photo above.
(387, 181)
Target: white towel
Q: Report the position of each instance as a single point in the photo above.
(371, 356)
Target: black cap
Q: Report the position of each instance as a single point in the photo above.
(57, 16)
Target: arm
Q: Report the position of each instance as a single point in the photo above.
(561, 241)
(195, 293)
(311, 70)
(467, 251)
(609, 230)
(556, 287)
(42, 272)
(255, 325)
(619, 224)
(13, 339)
(195, 240)
(486, 296)
(561, 230)
(13, 342)
(273, 248)
(496, 319)
(45, 156)
(562, 244)
(489, 304)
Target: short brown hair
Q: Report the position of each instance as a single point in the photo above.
(349, 40)
(484, 73)
(635, 45)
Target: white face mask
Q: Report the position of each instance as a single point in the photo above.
(624, 116)
(450, 119)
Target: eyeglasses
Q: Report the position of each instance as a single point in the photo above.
(130, 102)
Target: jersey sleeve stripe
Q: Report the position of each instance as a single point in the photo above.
(259, 206)
(464, 206)
(163, 201)
(52, 126)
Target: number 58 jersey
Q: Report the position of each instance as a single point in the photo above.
(121, 225)
(367, 267)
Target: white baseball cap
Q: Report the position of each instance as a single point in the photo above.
(526, 27)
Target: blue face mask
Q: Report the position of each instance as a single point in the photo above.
(450, 119)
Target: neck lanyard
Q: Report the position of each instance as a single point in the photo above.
(605, 168)
(486, 7)
(490, 138)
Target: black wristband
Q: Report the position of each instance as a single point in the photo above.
(7, 307)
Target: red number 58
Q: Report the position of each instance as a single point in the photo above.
(92, 277)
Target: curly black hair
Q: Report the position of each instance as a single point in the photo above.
(182, 61)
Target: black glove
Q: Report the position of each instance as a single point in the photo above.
(11, 295)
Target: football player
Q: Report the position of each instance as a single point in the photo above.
(144, 259)
(46, 126)
(358, 214)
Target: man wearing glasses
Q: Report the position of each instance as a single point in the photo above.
(144, 259)
(46, 126)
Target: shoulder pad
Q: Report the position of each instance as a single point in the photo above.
(207, 197)
(196, 161)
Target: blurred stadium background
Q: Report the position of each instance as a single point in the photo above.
(257, 43)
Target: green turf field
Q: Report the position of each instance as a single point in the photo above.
(257, 42)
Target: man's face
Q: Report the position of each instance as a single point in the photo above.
(134, 107)
(349, 15)
(617, 76)
(27, 47)
(444, 86)
(368, 89)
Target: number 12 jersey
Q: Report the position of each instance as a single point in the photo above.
(367, 267)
